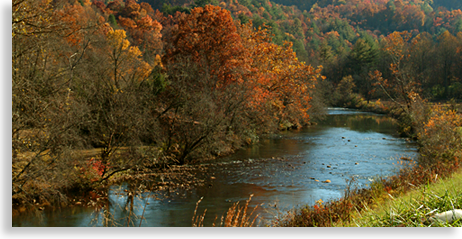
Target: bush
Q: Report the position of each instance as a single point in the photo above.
(440, 135)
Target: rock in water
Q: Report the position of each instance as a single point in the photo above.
(448, 216)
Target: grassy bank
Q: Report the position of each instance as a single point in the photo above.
(415, 208)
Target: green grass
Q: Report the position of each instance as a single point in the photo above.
(414, 208)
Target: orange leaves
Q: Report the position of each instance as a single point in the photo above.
(278, 84)
(396, 45)
(441, 134)
(77, 20)
(281, 82)
(377, 78)
(442, 118)
(141, 26)
(402, 86)
(143, 30)
(127, 23)
(209, 37)
(438, 21)
(148, 24)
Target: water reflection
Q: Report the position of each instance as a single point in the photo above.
(282, 172)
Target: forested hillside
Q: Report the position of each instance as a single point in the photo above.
(333, 33)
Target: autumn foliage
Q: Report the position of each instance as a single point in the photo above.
(125, 87)
(209, 37)
(279, 83)
(114, 78)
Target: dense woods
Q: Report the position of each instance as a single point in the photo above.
(109, 91)
(348, 37)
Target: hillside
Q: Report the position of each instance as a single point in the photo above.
(327, 32)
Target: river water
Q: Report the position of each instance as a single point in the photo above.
(282, 172)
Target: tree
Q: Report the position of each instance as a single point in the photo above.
(343, 93)
(447, 45)
(361, 56)
(206, 68)
(199, 119)
(402, 86)
(422, 56)
(145, 33)
(111, 86)
(209, 37)
(200, 3)
(280, 83)
(325, 53)
(360, 62)
(243, 18)
(47, 49)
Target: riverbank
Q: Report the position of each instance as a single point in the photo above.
(439, 136)
(415, 208)
(437, 128)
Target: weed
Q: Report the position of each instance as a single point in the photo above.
(236, 216)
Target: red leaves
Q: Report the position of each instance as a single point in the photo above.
(97, 165)
(438, 21)
(208, 35)
(93, 169)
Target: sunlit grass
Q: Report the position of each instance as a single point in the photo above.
(415, 208)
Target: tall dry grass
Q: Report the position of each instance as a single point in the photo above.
(236, 216)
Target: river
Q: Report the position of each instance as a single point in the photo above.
(282, 172)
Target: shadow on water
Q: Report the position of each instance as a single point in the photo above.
(282, 172)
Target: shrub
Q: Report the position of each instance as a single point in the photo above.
(440, 135)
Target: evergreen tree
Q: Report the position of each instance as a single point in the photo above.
(112, 20)
(243, 18)
(361, 56)
(325, 53)
(200, 3)
(360, 61)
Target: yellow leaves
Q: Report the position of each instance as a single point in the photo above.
(413, 96)
(440, 119)
(319, 202)
(143, 70)
(134, 51)
(158, 61)
(128, 59)
(117, 39)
